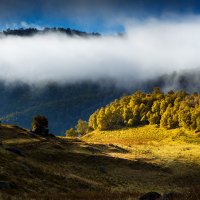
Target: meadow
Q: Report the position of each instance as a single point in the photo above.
(174, 153)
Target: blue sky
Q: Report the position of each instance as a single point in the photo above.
(89, 15)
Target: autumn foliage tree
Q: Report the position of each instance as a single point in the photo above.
(171, 110)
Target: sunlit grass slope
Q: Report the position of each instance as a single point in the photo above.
(176, 152)
(119, 165)
(143, 135)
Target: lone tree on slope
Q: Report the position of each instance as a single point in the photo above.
(40, 125)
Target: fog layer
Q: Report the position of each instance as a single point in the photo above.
(147, 50)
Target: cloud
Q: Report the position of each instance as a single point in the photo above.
(26, 25)
(147, 50)
(89, 13)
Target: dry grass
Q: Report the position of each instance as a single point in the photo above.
(135, 161)
(176, 151)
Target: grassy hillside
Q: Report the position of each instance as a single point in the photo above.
(102, 165)
(56, 168)
(174, 153)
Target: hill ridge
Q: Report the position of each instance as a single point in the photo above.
(33, 31)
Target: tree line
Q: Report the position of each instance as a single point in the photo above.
(170, 110)
(34, 31)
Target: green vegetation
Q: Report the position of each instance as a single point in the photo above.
(172, 110)
(82, 128)
(71, 133)
(140, 143)
(40, 125)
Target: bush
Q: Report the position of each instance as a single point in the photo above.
(82, 127)
(71, 133)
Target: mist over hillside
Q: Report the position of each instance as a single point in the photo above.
(188, 81)
(64, 104)
(67, 74)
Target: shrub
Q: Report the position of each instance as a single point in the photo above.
(71, 133)
(82, 127)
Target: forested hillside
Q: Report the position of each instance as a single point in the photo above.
(33, 31)
(65, 104)
(171, 110)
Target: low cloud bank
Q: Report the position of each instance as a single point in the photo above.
(147, 50)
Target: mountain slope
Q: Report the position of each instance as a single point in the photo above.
(63, 105)
(60, 168)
